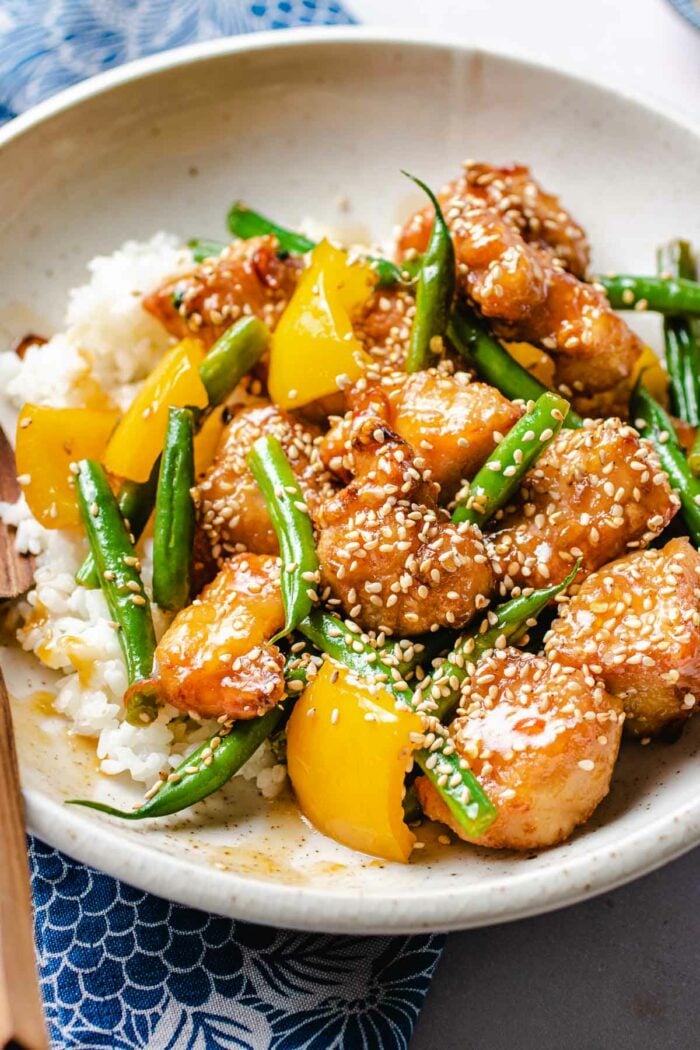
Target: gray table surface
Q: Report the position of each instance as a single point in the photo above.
(621, 972)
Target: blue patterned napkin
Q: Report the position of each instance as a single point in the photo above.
(122, 969)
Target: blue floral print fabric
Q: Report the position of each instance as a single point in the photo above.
(122, 969)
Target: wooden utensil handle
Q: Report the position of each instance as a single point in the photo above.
(16, 570)
(21, 1011)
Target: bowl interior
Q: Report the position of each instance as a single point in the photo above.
(318, 125)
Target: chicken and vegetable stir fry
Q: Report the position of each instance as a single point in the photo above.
(443, 544)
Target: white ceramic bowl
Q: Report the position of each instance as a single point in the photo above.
(292, 122)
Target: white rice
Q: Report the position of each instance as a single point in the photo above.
(110, 338)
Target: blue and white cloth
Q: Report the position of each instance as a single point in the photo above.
(121, 969)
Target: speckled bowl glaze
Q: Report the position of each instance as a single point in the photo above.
(295, 123)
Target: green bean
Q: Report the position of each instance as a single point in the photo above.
(434, 292)
(513, 618)
(682, 349)
(173, 528)
(458, 787)
(121, 584)
(135, 499)
(491, 361)
(216, 760)
(505, 468)
(655, 425)
(243, 222)
(204, 248)
(292, 524)
(230, 358)
(664, 295)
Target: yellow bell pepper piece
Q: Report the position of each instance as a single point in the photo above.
(536, 361)
(314, 342)
(654, 375)
(48, 441)
(138, 440)
(348, 751)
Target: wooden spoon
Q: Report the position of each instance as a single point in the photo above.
(22, 1024)
(16, 570)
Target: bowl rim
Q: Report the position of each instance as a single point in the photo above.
(502, 898)
(202, 50)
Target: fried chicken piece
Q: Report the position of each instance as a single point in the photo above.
(511, 255)
(594, 494)
(541, 739)
(512, 193)
(391, 558)
(383, 326)
(215, 658)
(204, 565)
(249, 277)
(636, 623)
(450, 422)
(232, 510)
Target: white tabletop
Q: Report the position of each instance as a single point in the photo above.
(643, 46)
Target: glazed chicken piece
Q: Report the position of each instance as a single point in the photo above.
(232, 510)
(636, 623)
(391, 558)
(215, 658)
(450, 422)
(250, 277)
(511, 256)
(594, 494)
(542, 740)
(383, 326)
(512, 193)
